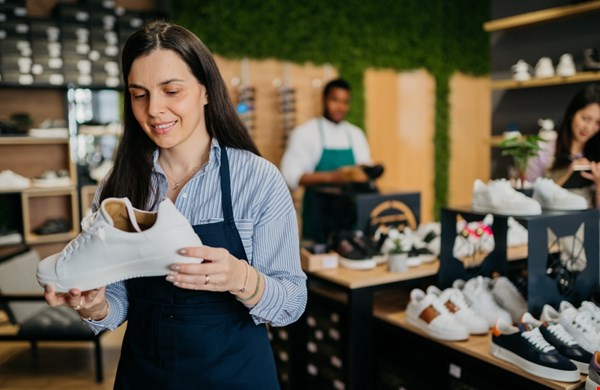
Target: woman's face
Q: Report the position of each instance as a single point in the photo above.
(586, 123)
(166, 99)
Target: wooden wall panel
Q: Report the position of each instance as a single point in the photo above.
(470, 113)
(266, 76)
(400, 126)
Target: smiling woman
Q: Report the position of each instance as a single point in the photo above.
(183, 140)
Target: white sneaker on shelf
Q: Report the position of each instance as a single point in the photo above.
(517, 234)
(52, 178)
(499, 197)
(120, 242)
(478, 292)
(521, 71)
(594, 310)
(566, 66)
(577, 323)
(425, 312)
(508, 297)
(10, 180)
(551, 196)
(101, 170)
(457, 305)
(430, 234)
(544, 68)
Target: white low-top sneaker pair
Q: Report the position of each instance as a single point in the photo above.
(426, 312)
(551, 196)
(457, 305)
(119, 242)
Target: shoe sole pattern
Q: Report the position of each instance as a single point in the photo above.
(158, 266)
(534, 368)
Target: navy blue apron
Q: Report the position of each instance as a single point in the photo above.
(186, 339)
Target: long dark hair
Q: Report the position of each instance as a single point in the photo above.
(591, 150)
(133, 164)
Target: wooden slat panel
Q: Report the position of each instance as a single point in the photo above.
(470, 129)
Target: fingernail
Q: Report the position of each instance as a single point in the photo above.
(175, 267)
(170, 278)
(182, 251)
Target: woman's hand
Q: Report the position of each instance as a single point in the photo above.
(593, 174)
(90, 304)
(220, 271)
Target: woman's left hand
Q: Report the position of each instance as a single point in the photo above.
(220, 271)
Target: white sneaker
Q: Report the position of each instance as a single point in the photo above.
(52, 178)
(521, 71)
(499, 197)
(579, 325)
(10, 180)
(426, 313)
(594, 310)
(457, 305)
(508, 297)
(566, 66)
(430, 233)
(551, 196)
(517, 234)
(120, 242)
(478, 292)
(544, 68)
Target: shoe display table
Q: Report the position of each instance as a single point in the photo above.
(542, 289)
(350, 295)
(466, 358)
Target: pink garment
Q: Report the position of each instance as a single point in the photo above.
(539, 164)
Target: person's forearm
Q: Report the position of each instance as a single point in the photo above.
(316, 178)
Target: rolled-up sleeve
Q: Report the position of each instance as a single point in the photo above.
(277, 256)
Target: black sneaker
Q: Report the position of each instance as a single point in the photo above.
(355, 249)
(527, 349)
(53, 226)
(565, 344)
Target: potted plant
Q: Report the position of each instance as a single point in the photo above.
(521, 149)
(398, 254)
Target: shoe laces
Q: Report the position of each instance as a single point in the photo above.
(535, 338)
(89, 229)
(583, 321)
(559, 331)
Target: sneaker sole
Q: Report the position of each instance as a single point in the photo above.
(504, 211)
(584, 368)
(130, 270)
(363, 264)
(590, 384)
(458, 336)
(534, 368)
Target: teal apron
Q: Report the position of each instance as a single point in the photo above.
(331, 159)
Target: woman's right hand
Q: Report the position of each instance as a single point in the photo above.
(89, 304)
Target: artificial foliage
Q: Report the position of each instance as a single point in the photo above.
(353, 35)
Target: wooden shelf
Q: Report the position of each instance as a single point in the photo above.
(540, 16)
(476, 346)
(32, 141)
(32, 238)
(581, 77)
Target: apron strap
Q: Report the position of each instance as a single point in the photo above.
(226, 187)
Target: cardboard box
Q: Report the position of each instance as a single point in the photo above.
(314, 262)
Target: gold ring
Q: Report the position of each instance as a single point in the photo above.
(206, 279)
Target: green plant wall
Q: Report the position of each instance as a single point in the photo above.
(443, 36)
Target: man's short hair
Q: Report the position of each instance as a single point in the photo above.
(336, 83)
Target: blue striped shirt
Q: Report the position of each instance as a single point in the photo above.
(265, 218)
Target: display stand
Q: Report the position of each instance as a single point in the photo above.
(542, 289)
